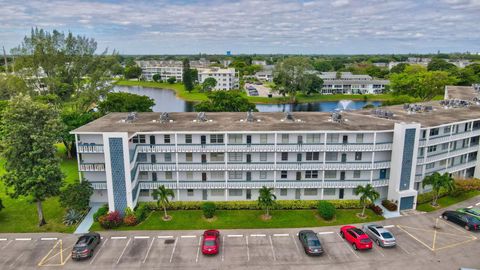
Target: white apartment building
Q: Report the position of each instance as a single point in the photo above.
(165, 69)
(304, 156)
(227, 78)
(348, 83)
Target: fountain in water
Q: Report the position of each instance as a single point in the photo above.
(343, 105)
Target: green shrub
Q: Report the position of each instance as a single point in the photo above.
(391, 206)
(100, 212)
(428, 196)
(209, 209)
(467, 185)
(72, 217)
(326, 210)
(110, 220)
(376, 209)
(142, 211)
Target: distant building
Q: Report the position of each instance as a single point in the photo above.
(259, 62)
(264, 75)
(348, 83)
(226, 62)
(381, 65)
(201, 63)
(226, 78)
(460, 63)
(165, 69)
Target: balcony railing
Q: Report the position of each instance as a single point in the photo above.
(92, 167)
(86, 148)
(450, 154)
(99, 185)
(449, 138)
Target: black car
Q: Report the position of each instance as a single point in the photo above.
(310, 242)
(85, 246)
(467, 221)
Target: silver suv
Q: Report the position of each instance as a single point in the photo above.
(379, 235)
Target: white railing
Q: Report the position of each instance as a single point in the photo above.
(156, 167)
(99, 185)
(92, 167)
(449, 138)
(450, 154)
(90, 148)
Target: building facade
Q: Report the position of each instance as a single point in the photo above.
(305, 156)
(166, 69)
(227, 78)
(348, 83)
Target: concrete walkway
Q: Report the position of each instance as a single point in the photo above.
(87, 222)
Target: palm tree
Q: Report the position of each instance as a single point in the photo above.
(266, 199)
(368, 194)
(438, 181)
(161, 194)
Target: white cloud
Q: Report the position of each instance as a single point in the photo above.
(340, 3)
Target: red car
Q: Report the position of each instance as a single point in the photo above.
(211, 242)
(356, 237)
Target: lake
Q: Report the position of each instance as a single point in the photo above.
(167, 101)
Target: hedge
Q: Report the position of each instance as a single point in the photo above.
(468, 184)
(253, 205)
(428, 196)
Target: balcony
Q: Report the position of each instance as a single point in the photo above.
(449, 138)
(87, 148)
(444, 155)
(99, 185)
(92, 167)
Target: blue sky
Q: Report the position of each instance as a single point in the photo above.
(254, 26)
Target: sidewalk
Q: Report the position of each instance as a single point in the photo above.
(87, 222)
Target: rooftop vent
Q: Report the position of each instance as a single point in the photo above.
(382, 113)
(454, 103)
(202, 117)
(131, 117)
(415, 108)
(164, 117)
(289, 116)
(337, 117)
(250, 116)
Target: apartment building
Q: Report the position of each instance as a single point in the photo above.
(227, 78)
(304, 156)
(166, 69)
(348, 83)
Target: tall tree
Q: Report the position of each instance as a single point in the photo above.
(1, 205)
(292, 77)
(225, 101)
(125, 102)
(132, 72)
(266, 199)
(440, 64)
(437, 182)
(208, 84)
(187, 75)
(76, 196)
(73, 119)
(368, 194)
(29, 133)
(163, 196)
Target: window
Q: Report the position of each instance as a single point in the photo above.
(217, 192)
(358, 155)
(444, 146)
(189, 175)
(356, 174)
(329, 191)
(217, 157)
(284, 156)
(359, 138)
(263, 175)
(263, 156)
(139, 139)
(142, 157)
(189, 157)
(189, 192)
(332, 138)
(235, 192)
(432, 148)
(235, 138)
(143, 175)
(311, 174)
(443, 162)
(188, 138)
(310, 192)
(166, 138)
(330, 174)
(430, 165)
(216, 138)
(433, 132)
(283, 192)
(283, 174)
(144, 192)
(234, 156)
(263, 138)
(235, 175)
(217, 175)
(447, 129)
(169, 175)
(284, 138)
(313, 138)
(312, 156)
(331, 156)
(168, 157)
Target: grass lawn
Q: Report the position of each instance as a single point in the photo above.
(447, 201)
(245, 219)
(19, 215)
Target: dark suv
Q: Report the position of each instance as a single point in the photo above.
(85, 246)
(310, 242)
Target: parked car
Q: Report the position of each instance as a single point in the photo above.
(85, 246)
(310, 242)
(356, 237)
(381, 236)
(471, 211)
(467, 221)
(211, 242)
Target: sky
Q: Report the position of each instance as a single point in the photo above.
(253, 26)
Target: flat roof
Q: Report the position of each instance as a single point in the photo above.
(360, 120)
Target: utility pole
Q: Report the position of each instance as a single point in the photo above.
(5, 58)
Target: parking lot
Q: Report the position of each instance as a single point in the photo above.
(423, 241)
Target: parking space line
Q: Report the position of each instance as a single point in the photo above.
(118, 237)
(281, 234)
(148, 250)
(296, 245)
(223, 247)
(23, 239)
(173, 250)
(7, 244)
(435, 234)
(325, 233)
(235, 235)
(125, 248)
(403, 249)
(49, 239)
(455, 227)
(198, 248)
(164, 236)
(188, 236)
(248, 250)
(3, 239)
(348, 246)
(273, 250)
(378, 248)
(257, 235)
(98, 251)
(141, 237)
(477, 203)
(471, 206)
(421, 242)
(13, 263)
(389, 226)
